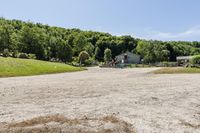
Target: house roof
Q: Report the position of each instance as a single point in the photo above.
(127, 53)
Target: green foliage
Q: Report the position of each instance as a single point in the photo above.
(89, 48)
(23, 67)
(195, 60)
(89, 62)
(27, 56)
(34, 40)
(5, 40)
(153, 51)
(107, 55)
(31, 56)
(65, 52)
(168, 64)
(80, 44)
(15, 54)
(6, 53)
(97, 53)
(83, 56)
(60, 44)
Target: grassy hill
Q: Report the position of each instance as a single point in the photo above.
(10, 67)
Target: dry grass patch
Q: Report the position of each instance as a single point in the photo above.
(59, 123)
(111, 119)
(44, 120)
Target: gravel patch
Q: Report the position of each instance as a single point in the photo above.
(151, 103)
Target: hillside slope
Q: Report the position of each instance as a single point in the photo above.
(10, 67)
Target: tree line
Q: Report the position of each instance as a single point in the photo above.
(60, 44)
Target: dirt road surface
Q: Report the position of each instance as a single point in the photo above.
(151, 103)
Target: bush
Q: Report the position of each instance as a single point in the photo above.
(75, 59)
(168, 64)
(31, 56)
(101, 64)
(83, 56)
(107, 55)
(195, 60)
(89, 62)
(27, 56)
(15, 54)
(6, 53)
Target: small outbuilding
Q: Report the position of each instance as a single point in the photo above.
(128, 58)
(183, 60)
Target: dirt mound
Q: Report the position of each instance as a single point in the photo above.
(61, 124)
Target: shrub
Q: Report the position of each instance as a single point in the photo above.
(75, 59)
(27, 56)
(195, 60)
(167, 64)
(83, 56)
(107, 55)
(97, 53)
(15, 54)
(6, 53)
(101, 64)
(89, 62)
(31, 56)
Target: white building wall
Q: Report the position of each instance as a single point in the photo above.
(132, 58)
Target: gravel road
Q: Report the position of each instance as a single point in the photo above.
(152, 103)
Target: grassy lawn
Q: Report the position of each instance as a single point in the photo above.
(10, 67)
(175, 70)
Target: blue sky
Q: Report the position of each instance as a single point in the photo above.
(149, 19)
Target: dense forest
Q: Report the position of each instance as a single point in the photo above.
(60, 44)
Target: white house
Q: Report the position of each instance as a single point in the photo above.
(128, 58)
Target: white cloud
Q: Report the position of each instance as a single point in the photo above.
(191, 34)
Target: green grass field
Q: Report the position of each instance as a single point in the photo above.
(176, 70)
(11, 67)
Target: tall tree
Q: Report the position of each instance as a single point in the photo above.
(65, 52)
(80, 42)
(5, 37)
(97, 53)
